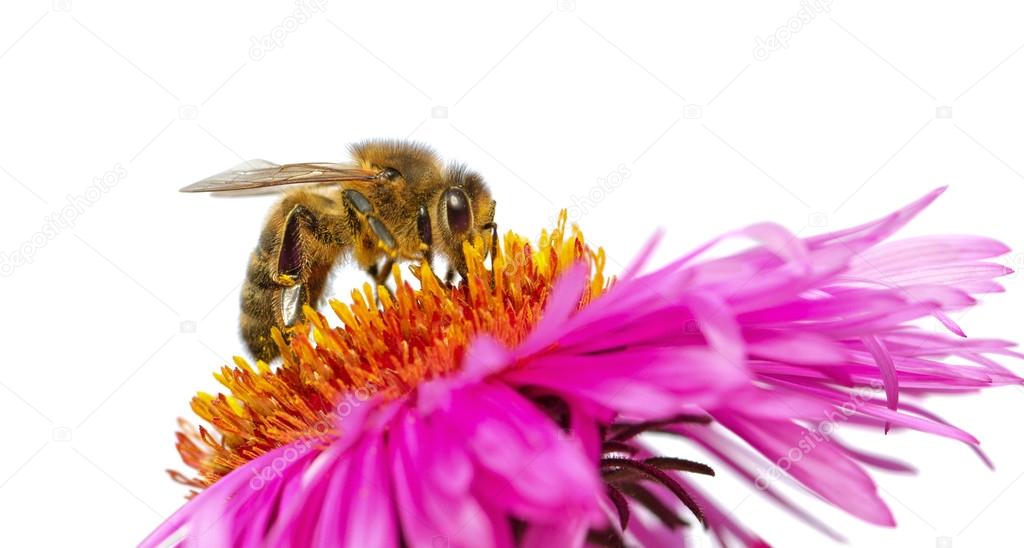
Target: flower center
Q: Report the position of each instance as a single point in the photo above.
(414, 335)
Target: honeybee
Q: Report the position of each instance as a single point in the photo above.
(394, 201)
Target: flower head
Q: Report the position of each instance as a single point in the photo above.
(509, 410)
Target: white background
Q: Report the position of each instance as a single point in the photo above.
(546, 100)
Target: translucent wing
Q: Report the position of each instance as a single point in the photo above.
(261, 173)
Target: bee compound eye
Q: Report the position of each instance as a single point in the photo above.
(456, 205)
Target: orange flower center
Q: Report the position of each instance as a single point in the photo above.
(387, 350)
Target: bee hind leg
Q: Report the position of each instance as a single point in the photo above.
(291, 264)
(306, 252)
(301, 240)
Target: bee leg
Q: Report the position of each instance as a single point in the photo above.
(291, 263)
(449, 276)
(301, 240)
(309, 245)
(492, 250)
(289, 257)
(381, 277)
(362, 210)
(386, 241)
(426, 235)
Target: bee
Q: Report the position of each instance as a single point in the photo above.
(394, 201)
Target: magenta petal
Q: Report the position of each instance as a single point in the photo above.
(718, 325)
(795, 347)
(642, 383)
(878, 461)
(503, 431)
(743, 462)
(432, 476)
(905, 256)
(565, 298)
(887, 368)
(781, 242)
(563, 533)
(484, 357)
(369, 519)
(871, 233)
(823, 469)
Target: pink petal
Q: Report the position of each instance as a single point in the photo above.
(823, 469)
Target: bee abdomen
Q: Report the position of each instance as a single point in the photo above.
(255, 332)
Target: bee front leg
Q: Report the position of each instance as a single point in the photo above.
(426, 234)
(493, 249)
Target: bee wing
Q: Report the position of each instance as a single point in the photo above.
(261, 174)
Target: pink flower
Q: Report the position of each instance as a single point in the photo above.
(530, 434)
